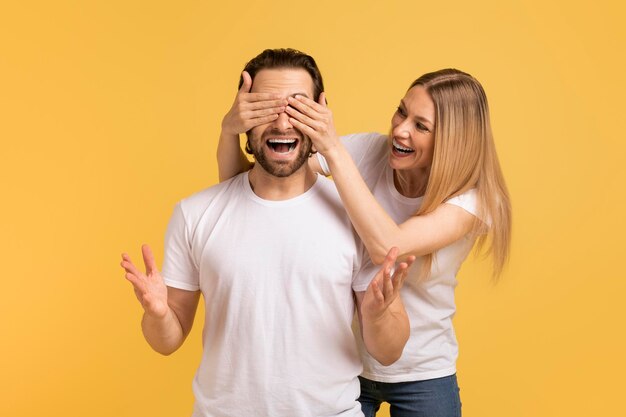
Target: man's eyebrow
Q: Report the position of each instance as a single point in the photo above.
(299, 94)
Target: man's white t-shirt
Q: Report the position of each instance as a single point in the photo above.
(277, 279)
(432, 349)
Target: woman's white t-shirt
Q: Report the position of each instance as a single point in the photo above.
(432, 349)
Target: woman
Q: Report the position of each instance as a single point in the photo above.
(433, 187)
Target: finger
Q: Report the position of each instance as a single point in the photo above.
(125, 258)
(138, 285)
(386, 271)
(311, 103)
(305, 107)
(400, 276)
(390, 259)
(388, 287)
(148, 259)
(256, 97)
(377, 281)
(388, 283)
(131, 268)
(253, 114)
(405, 272)
(301, 117)
(378, 295)
(322, 100)
(259, 121)
(247, 83)
(307, 130)
(264, 104)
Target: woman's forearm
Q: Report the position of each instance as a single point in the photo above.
(377, 230)
(230, 158)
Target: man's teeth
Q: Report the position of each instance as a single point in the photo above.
(281, 140)
(282, 145)
(402, 148)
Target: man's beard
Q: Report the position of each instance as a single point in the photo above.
(280, 168)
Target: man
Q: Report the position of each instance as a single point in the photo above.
(278, 263)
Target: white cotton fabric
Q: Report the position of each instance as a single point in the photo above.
(277, 280)
(432, 349)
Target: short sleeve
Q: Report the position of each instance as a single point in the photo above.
(179, 269)
(357, 146)
(468, 201)
(366, 272)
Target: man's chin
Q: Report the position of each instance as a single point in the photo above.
(280, 170)
(282, 167)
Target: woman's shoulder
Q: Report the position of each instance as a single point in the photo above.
(467, 200)
(470, 202)
(364, 147)
(366, 137)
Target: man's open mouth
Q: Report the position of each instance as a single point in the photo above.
(282, 145)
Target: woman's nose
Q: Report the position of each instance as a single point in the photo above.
(402, 130)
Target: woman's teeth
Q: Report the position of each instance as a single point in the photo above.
(401, 148)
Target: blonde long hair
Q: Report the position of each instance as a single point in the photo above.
(464, 157)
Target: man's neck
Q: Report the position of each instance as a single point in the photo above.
(269, 187)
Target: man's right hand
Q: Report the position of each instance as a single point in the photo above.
(150, 288)
(251, 109)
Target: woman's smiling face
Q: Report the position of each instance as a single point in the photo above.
(412, 131)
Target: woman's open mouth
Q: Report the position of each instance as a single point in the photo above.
(401, 149)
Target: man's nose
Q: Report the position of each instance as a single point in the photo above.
(282, 122)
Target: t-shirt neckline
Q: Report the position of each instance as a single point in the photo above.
(395, 193)
(280, 203)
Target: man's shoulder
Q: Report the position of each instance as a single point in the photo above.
(327, 187)
(327, 200)
(201, 200)
(325, 182)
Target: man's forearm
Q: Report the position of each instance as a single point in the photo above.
(165, 335)
(386, 336)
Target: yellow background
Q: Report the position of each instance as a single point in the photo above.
(109, 114)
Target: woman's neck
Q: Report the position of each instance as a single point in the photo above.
(411, 184)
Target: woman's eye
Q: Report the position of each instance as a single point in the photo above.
(422, 127)
(400, 111)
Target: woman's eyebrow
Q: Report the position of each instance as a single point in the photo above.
(418, 117)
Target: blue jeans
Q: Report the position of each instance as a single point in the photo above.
(437, 397)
